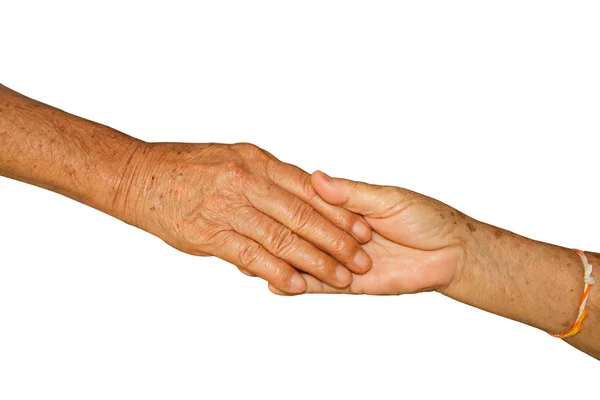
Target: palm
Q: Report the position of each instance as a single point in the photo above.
(399, 269)
(413, 247)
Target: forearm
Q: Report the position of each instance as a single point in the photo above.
(49, 148)
(236, 202)
(529, 281)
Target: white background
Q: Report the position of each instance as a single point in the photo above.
(492, 107)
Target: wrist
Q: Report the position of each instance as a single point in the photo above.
(473, 254)
(131, 182)
(149, 193)
(519, 278)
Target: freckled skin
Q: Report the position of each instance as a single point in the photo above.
(419, 245)
(237, 201)
(242, 204)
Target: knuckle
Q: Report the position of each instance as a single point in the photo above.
(233, 169)
(341, 245)
(244, 217)
(307, 190)
(249, 254)
(282, 276)
(244, 212)
(393, 191)
(211, 237)
(396, 194)
(209, 241)
(248, 149)
(320, 266)
(346, 221)
(303, 216)
(235, 172)
(282, 240)
(340, 217)
(396, 202)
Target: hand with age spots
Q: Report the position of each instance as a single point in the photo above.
(420, 244)
(271, 219)
(416, 242)
(236, 202)
(241, 204)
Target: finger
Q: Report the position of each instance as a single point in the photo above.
(363, 198)
(276, 291)
(284, 244)
(246, 272)
(315, 286)
(298, 182)
(252, 257)
(303, 220)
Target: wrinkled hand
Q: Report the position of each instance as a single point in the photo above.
(241, 204)
(416, 244)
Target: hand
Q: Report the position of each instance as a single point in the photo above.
(416, 244)
(241, 204)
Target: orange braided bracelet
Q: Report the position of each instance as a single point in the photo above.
(589, 281)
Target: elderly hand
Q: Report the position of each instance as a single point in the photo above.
(416, 244)
(241, 204)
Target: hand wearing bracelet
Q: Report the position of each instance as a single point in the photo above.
(422, 244)
(273, 220)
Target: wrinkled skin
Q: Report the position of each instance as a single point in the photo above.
(416, 244)
(241, 204)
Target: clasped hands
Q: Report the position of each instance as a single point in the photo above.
(301, 233)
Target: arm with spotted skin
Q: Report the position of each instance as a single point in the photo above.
(236, 202)
(422, 244)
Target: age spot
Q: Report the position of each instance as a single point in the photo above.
(471, 227)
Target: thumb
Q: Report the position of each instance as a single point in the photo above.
(361, 198)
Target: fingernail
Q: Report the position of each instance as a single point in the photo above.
(344, 277)
(362, 260)
(361, 230)
(297, 283)
(327, 177)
